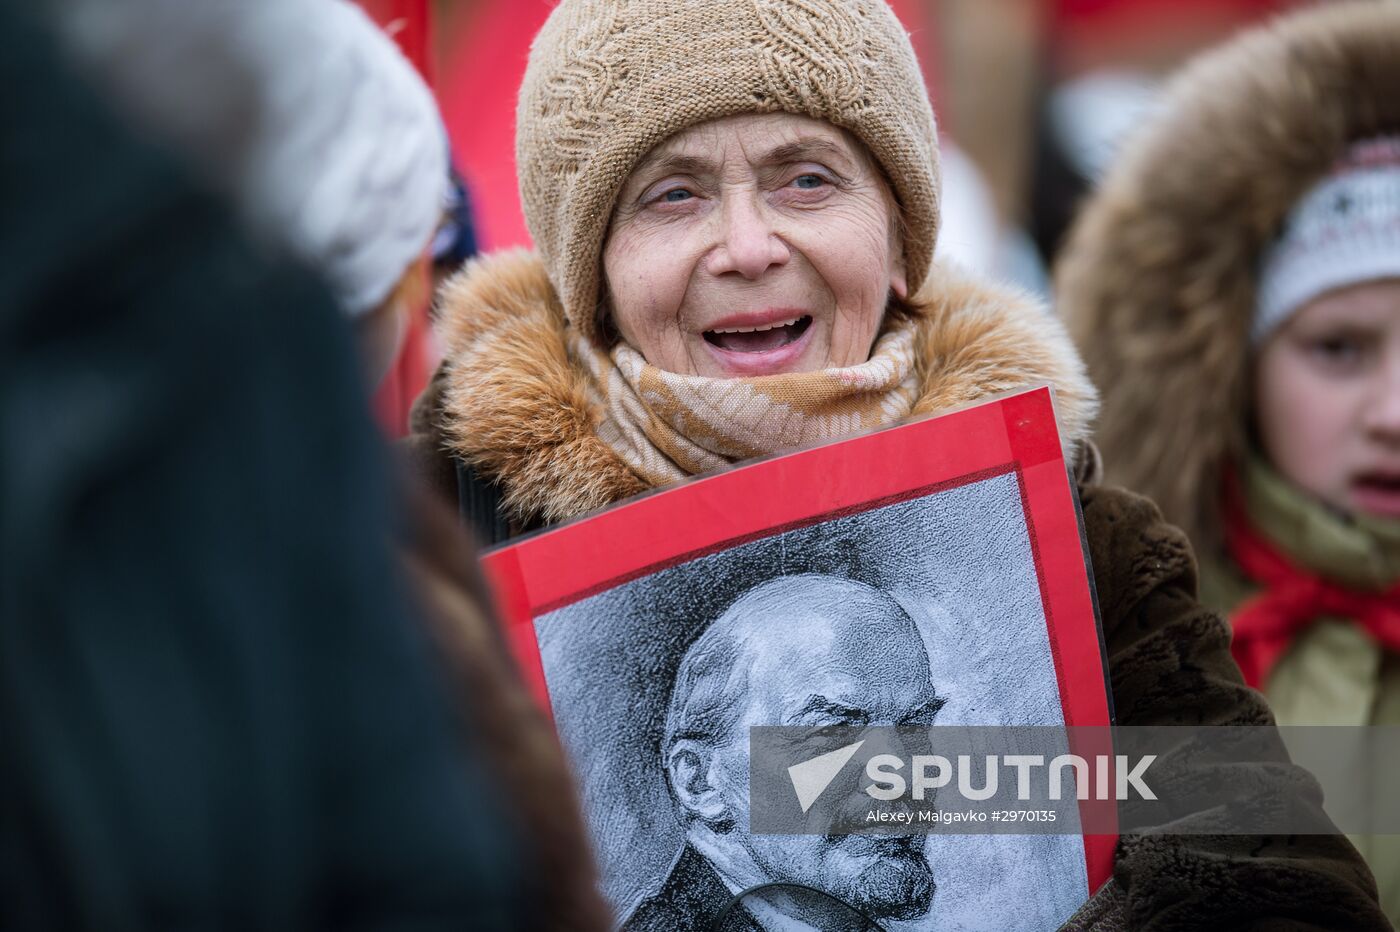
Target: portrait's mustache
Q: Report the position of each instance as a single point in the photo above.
(900, 846)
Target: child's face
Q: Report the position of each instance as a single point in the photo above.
(1327, 398)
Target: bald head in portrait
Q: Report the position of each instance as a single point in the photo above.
(802, 650)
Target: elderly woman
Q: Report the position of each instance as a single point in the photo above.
(735, 204)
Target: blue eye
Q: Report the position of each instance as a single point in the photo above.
(676, 195)
(809, 181)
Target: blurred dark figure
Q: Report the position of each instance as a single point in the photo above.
(215, 709)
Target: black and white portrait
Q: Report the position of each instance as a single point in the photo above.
(921, 612)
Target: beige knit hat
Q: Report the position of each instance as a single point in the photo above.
(608, 80)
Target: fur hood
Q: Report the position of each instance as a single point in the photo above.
(1157, 280)
(510, 401)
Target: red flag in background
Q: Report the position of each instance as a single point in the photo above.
(409, 23)
(483, 63)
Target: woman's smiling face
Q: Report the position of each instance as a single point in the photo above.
(753, 245)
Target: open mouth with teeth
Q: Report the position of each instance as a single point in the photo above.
(1378, 493)
(759, 339)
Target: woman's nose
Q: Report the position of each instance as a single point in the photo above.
(747, 244)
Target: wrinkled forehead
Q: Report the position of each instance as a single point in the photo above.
(827, 672)
(841, 641)
(759, 138)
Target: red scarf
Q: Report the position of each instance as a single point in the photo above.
(1291, 599)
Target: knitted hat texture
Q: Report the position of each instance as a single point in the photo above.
(608, 80)
(1344, 231)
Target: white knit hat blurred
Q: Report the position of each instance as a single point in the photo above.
(303, 111)
(1344, 231)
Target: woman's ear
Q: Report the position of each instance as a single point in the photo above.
(899, 269)
(899, 282)
(603, 319)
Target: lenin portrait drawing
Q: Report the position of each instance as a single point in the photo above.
(926, 611)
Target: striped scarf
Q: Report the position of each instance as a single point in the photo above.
(667, 427)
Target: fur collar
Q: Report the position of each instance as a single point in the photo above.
(509, 401)
(1157, 280)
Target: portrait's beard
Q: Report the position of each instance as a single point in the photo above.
(890, 879)
(899, 885)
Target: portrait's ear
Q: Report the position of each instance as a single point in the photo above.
(690, 768)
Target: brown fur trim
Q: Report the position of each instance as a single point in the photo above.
(1157, 281)
(516, 409)
(979, 340)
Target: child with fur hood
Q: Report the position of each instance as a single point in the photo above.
(1235, 289)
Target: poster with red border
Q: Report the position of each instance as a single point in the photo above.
(605, 613)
